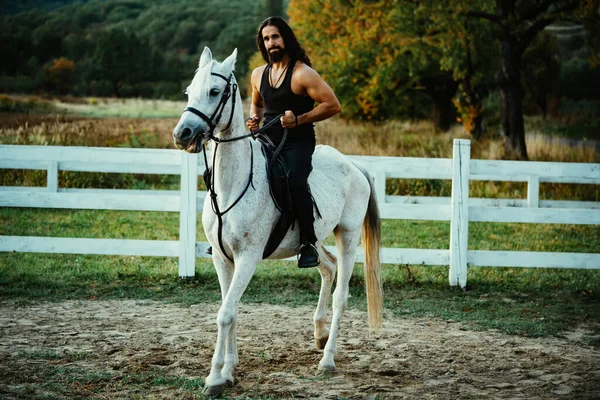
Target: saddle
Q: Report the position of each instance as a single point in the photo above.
(278, 174)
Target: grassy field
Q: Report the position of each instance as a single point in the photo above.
(534, 302)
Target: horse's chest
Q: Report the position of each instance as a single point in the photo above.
(246, 221)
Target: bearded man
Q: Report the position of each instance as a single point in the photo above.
(289, 85)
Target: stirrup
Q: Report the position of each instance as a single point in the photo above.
(313, 260)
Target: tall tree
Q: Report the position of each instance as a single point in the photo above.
(273, 7)
(541, 69)
(376, 57)
(464, 50)
(518, 22)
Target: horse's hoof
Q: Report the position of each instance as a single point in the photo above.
(326, 369)
(320, 343)
(214, 391)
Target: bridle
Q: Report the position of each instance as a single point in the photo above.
(212, 122)
(215, 118)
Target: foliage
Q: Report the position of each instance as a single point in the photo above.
(395, 58)
(14, 105)
(469, 111)
(386, 58)
(578, 80)
(540, 69)
(516, 25)
(59, 73)
(361, 50)
(126, 47)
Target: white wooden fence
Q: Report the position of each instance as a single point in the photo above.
(458, 209)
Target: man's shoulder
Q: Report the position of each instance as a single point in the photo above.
(259, 70)
(303, 71)
(301, 67)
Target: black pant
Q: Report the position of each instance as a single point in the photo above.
(297, 152)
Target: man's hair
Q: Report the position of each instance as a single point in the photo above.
(292, 47)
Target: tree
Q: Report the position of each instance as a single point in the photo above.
(465, 51)
(541, 70)
(121, 58)
(517, 23)
(375, 57)
(273, 7)
(172, 34)
(60, 74)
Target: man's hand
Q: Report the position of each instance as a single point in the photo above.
(289, 120)
(253, 122)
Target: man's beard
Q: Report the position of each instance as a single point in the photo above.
(277, 56)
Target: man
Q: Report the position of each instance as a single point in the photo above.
(288, 85)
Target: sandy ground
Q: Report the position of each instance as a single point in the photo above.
(409, 359)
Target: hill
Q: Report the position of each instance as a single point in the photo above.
(124, 48)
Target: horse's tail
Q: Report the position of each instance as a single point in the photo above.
(371, 239)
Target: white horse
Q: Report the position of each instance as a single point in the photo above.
(342, 190)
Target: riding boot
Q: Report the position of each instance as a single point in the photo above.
(303, 207)
(309, 256)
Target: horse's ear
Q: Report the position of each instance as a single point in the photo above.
(230, 61)
(205, 58)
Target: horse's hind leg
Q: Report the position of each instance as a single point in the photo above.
(327, 271)
(346, 242)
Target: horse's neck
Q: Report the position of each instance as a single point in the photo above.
(233, 162)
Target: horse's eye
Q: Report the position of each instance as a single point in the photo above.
(214, 92)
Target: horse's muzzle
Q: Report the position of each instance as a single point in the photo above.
(188, 140)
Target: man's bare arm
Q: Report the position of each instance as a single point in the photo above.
(257, 106)
(318, 90)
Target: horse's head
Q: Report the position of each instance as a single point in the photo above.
(210, 104)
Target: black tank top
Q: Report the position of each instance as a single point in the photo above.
(279, 100)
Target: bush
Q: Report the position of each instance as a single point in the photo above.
(578, 80)
(166, 90)
(492, 111)
(9, 104)
(18, 84)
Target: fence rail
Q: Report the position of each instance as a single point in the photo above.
(459, 209)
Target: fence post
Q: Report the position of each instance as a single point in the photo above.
(533, 192)
(52, 176)
(380, 183)
(459, 219)
(187, 215)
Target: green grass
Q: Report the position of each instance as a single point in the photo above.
(56, 380)
(532, 302)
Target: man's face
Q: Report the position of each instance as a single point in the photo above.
(273, 43)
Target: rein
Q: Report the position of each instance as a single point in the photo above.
(212, 122)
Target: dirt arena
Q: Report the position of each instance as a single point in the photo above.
(412, 359)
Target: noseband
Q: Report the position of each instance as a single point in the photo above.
(215, 118)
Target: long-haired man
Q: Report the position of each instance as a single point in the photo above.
(287, 84)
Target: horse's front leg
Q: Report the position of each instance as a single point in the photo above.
(225, 269)
(225, 357)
